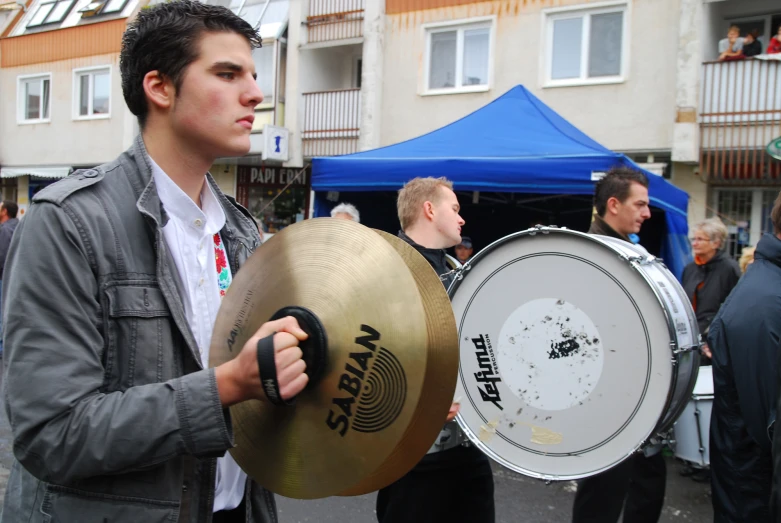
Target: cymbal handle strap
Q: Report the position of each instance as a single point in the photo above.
(267, 368)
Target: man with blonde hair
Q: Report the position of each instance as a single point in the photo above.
(454, 481)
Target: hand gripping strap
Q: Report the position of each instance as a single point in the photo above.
(267, 368)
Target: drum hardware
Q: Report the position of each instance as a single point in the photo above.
(378, 399)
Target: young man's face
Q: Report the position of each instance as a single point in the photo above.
(215, 106)
(733, 35)
(447, 219)
(463, 253)
(630, 215)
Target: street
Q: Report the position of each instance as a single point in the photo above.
(518, 498)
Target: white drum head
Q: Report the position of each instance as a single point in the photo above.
(565, 355)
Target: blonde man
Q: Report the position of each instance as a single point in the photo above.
(453, 482)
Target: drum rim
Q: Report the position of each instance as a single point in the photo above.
(668, 415)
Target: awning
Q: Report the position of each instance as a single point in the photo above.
(40, 172)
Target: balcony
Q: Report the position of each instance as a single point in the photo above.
(740, 114)
(332, 121)
(331, 20)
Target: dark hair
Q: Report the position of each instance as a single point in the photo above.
(754, 33)
(165, 38)
(775, 215)
(11, 208)
(616, 184)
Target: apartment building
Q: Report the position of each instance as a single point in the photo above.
(639, 76)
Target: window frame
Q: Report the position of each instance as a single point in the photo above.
(550, 16)
(77, 74)
(459, 26)
(46, 20)
(21, 99)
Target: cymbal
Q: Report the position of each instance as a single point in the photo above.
(347, 422)
(439, 383)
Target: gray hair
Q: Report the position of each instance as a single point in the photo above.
(715, 229)
(347, 208)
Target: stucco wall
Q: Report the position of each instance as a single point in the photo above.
(635, 115)
(63, 140)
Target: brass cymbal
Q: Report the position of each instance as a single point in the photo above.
(345, 425)
(439, 383)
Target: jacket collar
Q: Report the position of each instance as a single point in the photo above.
(435, 257)
(600, 226)
(149, 204)
(769, 248)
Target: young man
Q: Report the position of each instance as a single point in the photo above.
(115, 283)
(636, 485)
(464, 250)
(744, 343)
(453, 482)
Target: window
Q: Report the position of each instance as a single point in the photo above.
(264, 68)
(50, 11)
(34, 98)
(102, 7)
(586, 47)
(458, 57)
(92, 93)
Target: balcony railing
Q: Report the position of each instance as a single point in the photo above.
(740, 114)
(334, 20)
(332, 121)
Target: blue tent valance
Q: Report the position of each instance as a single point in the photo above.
(514, 144)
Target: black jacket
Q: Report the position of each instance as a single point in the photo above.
(744, 338)
(719, 276)
(600, 226)
(435, 257)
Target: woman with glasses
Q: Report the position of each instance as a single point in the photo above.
(709, 279)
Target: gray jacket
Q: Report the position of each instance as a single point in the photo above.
(113, 417)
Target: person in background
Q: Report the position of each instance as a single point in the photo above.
(731, 48)
(746, 258)
(752, 46)
(774, 46)
(744, 342)
(464, 250)
(712, 275)
(346, 211)
(8, 223)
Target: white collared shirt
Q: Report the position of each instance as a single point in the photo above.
(189, 235)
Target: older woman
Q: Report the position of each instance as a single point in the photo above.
(709, 279)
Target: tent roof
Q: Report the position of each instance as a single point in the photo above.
(514, 144)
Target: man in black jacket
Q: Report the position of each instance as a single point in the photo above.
(636, 485)
(744, 341)
(453, 483)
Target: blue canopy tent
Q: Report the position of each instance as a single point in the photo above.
(514, 144)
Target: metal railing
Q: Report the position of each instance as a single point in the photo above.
(332, 121)
(334, 20)
(740, 114)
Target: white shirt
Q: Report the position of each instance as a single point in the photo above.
(189, 235)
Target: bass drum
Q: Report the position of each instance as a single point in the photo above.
(575, 350)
